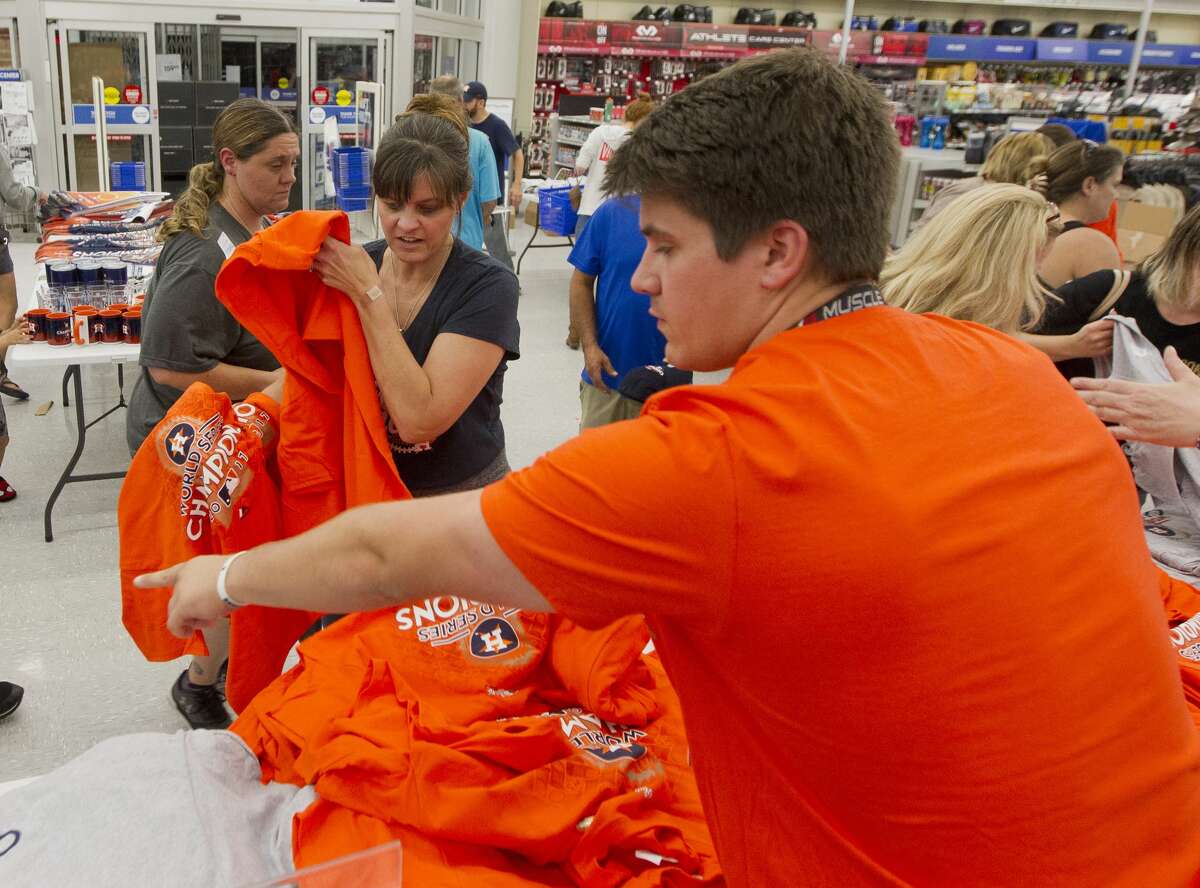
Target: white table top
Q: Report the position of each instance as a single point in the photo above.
(40, 354)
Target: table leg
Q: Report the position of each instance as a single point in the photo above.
(80, 436)
(121, 385)
(536, 228)
(66, 376)
(81, 427)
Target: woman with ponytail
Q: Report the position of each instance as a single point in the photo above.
(187, 335)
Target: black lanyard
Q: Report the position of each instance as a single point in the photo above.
(854, 299)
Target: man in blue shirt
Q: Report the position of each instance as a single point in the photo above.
(504, 146)
(613, 322)
(485, 187)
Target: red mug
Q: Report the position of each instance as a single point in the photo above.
(58, 328)
(35, 319)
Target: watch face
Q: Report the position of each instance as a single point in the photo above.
(374, 293)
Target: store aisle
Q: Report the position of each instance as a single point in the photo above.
(60, 631)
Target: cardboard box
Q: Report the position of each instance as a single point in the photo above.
(104, 60)
(175, 148)
(212, 98)
(176, 103)
(531, 213)
(202, 149)
(1142, 229)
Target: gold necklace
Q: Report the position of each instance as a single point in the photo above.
(426, 289)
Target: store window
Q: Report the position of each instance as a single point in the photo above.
(343, 60)
(279, 70)
(114, 56)
(448, 56)
(7, 59)
(423, 49)
(449, 7)
(468, 62)
(470, 8)
(239, 63)
(428, 4)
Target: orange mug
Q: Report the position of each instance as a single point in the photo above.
(35, 319)
(58, 328)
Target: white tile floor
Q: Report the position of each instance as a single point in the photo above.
(60, 630)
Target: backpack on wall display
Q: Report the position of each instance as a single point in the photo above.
(1012, 28)
(798, 19)
(749, 16)
(1109, 31)
(969, 26)
(934, 26)
(1061, 30)
(1151, 36)
(900, 23)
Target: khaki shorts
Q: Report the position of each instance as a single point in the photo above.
(600, 408)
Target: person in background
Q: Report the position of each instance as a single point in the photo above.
(1162, 295)
(1008, 162)
(189, 336)
(23, 198)
(1082, 179)
(440, 318)
(485, 187)
(613, 321)
(978, 260)
(893, 565)
(508, 153)
(592, 159)
(16, 333)
(1061, 135)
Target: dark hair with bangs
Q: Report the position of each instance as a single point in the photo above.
(420, 144)
(784, 135)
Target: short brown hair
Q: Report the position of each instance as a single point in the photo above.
(784, 135)
(447, 85)
(420, 144)
(1073, 164)
(639, 109)
(1058, 133)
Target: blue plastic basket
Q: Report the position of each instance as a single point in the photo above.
(351, 166)
(555, 213)
(127, 175)
(353, 204)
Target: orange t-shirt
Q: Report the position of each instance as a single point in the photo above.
(884, 592)
(1108, 226)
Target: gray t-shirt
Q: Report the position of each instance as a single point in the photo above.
(184, 327)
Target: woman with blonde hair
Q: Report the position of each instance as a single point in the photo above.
(1162, 295)
(188, 336)
(1009, 162)
(977, 261)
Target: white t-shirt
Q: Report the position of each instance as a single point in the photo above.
(594, 156)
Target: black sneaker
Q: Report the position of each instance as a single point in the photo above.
(10, 698)
(201, 705)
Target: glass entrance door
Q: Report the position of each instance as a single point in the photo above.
(120, 58)
(333, 63)
(265, 64)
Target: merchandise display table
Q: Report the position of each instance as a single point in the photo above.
(73, 358)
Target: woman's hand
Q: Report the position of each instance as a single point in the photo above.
(1094, 340)
(17, 333)
(347, 268)
(1163, 413)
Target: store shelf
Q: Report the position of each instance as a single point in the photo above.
(570, 142)
(580, 119)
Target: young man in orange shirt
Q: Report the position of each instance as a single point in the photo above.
(913, 644)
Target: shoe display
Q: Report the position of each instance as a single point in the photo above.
(202, 705)
(10, 698)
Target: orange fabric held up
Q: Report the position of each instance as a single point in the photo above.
(202, 483)
(874, 588)
(333, 450)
